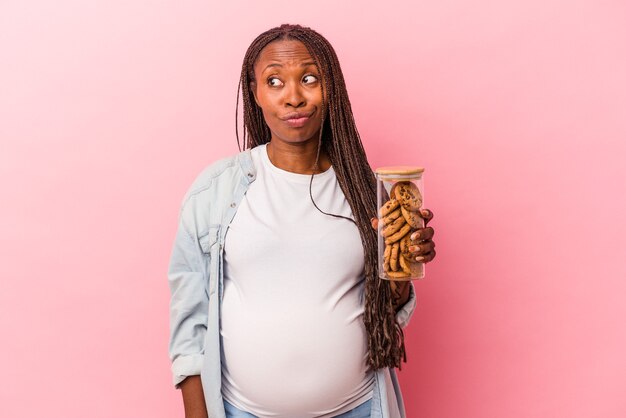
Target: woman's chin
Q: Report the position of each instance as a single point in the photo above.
(297, 137)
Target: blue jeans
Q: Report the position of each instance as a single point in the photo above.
(361, 411)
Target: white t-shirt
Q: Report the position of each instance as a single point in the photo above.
(293, 340)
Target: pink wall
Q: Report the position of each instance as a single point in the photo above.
(517, 109)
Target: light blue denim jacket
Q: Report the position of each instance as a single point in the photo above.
(195, 278)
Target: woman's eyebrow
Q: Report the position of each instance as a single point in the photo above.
(304, 64)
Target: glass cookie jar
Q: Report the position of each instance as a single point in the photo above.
(400, 196)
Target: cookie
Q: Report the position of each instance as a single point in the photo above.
(394, 227)
(392, 216)
(392, 192)
(387, 252)
(416, 268)
(408, 195)
(412, 218)
(405, 242)
(388, 207)
(397, 274)
(404, 265)
(386, 257)
(393, 260)
(398, 235)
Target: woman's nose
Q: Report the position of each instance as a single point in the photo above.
(294, 97)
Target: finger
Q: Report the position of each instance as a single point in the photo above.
(426, 258)
(427, 215)
(422, 248)
(423, 234)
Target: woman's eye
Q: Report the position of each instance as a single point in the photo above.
(309, 79)
(274, 82)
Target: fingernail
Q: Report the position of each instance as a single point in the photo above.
(415, 236)
(419, 258)
(414, 248)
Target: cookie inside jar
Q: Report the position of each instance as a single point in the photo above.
(399, 197)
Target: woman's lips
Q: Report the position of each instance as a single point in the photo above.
(297, 122)
(297, 119)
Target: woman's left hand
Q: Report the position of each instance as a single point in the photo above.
(422, 245)
(422, 248)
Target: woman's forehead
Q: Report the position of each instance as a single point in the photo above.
(283, 52)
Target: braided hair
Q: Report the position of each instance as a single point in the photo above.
(342, 143)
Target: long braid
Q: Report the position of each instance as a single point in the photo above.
(342, 142)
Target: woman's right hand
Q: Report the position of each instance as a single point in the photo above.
(193, 397)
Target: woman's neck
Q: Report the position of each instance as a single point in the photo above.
(297, 158)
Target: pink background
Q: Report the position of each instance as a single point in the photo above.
(517, 109)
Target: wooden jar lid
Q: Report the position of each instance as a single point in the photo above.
(400, 170)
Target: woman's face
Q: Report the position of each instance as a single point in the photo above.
(287, 88)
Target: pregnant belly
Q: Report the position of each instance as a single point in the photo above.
(291, 359)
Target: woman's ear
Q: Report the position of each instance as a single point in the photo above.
(253, 90)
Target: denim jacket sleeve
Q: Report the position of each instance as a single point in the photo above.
(188, 303)
(405, 313)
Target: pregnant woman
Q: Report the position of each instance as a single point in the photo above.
(276, 306)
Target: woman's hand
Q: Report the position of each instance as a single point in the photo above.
(422, 244)
(193, 397)
(422, 248)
